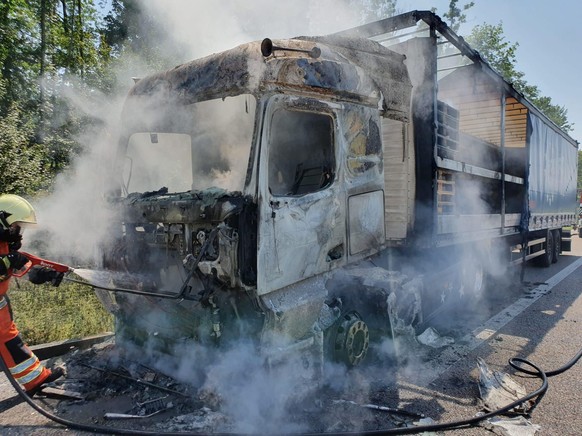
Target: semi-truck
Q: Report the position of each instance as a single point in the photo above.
(319, 195)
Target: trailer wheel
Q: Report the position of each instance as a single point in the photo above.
(557, 246)
(545, 260)
(472, 279)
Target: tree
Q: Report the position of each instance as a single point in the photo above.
(133, 33)
(558, 114)
(43, 43)
(456, 16)
(18, 68)
(489, 40)
(491, 44)
(22, 165)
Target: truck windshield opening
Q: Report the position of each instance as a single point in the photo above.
(192, 147)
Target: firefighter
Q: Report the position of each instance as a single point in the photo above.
(15, 214)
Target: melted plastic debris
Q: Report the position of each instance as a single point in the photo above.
(202, 420)
(518, 426)
(498, 389)
(432, 338)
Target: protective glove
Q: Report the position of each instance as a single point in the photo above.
(14, 246)
(12, 236)
(13, 260)
(17, 260)
(42, 274)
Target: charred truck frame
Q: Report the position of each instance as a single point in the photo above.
(290, 191)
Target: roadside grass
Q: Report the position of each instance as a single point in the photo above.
(44, 313)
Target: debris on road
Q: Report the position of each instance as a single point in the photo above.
(53, 392)
(433, 339)
(498, 389)
(518, 426)
(146, 409)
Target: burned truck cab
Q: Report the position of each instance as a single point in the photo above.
(246, 177)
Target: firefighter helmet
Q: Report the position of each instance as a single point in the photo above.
(15, 209)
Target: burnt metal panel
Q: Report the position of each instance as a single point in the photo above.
(390, 24)
(385, 67)
(366, 221)
(422, 62)
(211, 206)
(218, 75)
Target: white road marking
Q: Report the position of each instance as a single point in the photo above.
(472, 340)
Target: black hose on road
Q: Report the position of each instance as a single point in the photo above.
(515, 362)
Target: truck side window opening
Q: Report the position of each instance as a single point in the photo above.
(301, 153)
(364, 142)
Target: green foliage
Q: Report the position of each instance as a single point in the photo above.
(489, 40)
(71, 38)
(22, 163)
(558, 114)
(44, 313)
(40, 125)
(456, 15)
(18, 68)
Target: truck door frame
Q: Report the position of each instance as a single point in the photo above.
(301, 234)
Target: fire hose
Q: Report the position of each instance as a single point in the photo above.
(516, 363)
(66, 270)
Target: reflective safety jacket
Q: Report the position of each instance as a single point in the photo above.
(22, 363)
(4, 280)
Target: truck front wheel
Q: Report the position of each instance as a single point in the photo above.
(352, 339)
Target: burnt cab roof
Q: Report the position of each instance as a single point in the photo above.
(347, 69)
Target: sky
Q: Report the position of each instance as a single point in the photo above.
(549, 35)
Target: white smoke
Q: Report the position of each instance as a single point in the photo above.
(74, 220)
(206, 27)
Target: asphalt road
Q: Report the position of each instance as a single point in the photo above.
(541, 322)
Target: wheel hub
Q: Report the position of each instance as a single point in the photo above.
(352, 339)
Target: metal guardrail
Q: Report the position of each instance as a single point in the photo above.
(58, 348)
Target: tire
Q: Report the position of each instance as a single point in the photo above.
(472, 280)
(557, 246)
(545, 260)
